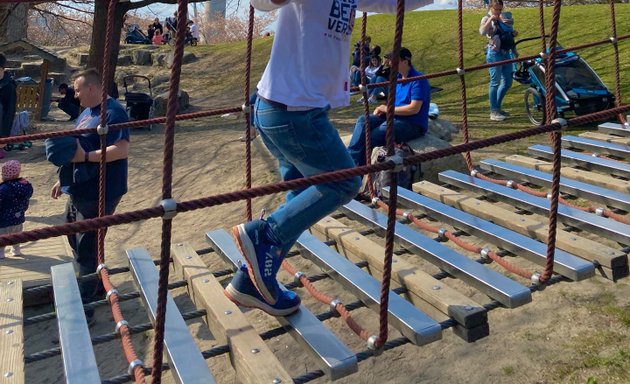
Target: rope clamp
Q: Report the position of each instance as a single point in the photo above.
(100, 267)
(563, 123)
(102, 129)
(111, 292)
(613, 40)
(599, 211)
(170, 208)
(485, 254)
(549, 196)
(543, 55)
(398, 163)
(372, 346)
(133, 365)
(474, 173)
(536, 279)
(460, 71)
(594, 154)
(406, 214)
(363, 89)
(333, 307)
(375, 200)
(247, 108)
(442, 233)
(510, 184)
(120, 324)
(296, 278)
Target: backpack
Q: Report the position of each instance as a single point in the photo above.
(380, 180)
(506, 37)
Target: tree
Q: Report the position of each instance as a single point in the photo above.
(13, 21)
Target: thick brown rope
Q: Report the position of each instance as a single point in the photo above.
(550, 102)
(462, 81)
(613, 40)
(366, 110)
(230, 197)
(248, 110)
(541, 15)
(393, 177)
(167, 190)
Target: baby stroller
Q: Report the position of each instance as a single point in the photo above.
(136, 36)
(578, 88)
(139, 105)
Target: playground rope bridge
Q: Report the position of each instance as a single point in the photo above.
(168, 208)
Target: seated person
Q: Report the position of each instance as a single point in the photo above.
(371, 77)
(411, 115)
(381, 76)
(68, 103)
(157, 39)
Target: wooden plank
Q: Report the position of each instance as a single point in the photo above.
(226, 322)
(11, 333)
(605, 181)
(606, 138)
(424, 290)
(570, 242)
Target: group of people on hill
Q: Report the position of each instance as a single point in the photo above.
(290, 113)
(157, 35)
(376, 70)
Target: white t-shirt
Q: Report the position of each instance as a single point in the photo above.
(311, 49)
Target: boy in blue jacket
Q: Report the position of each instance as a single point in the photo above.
(15, 193)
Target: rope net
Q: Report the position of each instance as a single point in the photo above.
(168, 207)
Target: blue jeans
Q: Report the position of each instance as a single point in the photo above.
(376, 91)
(500, 78)
(403, 131)
(305, 144)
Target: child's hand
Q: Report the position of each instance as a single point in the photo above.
(55, 192)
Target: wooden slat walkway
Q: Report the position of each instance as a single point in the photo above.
(11, 336)
(33, 267)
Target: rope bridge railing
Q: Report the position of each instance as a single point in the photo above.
(169, 207)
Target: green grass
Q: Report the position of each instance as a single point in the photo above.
(432, 37)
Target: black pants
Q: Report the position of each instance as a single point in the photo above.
(84, 245)
(71, 109)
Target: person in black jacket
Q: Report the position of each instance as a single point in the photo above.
(69, 104)
(8, 99)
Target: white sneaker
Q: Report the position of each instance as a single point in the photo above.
(495, 116)
(360, 100)
(372, 100)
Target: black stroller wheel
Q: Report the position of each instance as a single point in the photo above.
(534, 106)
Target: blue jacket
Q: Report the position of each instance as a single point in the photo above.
(14, 198)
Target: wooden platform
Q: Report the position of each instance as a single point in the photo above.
(33, 267)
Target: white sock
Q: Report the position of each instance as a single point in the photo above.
(16, 250)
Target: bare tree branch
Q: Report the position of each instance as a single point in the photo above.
(47, 12)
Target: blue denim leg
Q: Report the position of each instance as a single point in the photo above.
(305, 144)
(377, 91)
(403, 131)
(500, 78)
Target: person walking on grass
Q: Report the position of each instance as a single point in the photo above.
(295, 93)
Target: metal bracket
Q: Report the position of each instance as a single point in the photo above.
(133, 365)
(485, 255)
(102, 129)
(599, 211)
(442, 234)
(333, 307)
(111, 292)
(613, 40)
(371, 344)
(170, 208)
(120, 324)
(100, 267)
(563, 123)
(474, 173)
(510, 184)
(460, 71)
(536, 279)
(363, 89)
(296, 278)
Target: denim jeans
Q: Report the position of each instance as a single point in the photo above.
(403, 131)
(84, 245)
(500, 78)
(376, 91)
(305, 144)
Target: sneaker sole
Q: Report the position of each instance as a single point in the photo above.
(246, 247)
(248, 301)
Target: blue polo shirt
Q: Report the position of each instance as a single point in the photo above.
(414, 90)
(116, 171)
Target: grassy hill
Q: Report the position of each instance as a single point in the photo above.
(432, 37)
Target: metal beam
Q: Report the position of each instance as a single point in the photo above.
(589, 162)
(596, 146)
(334, 358)
(506, 291)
